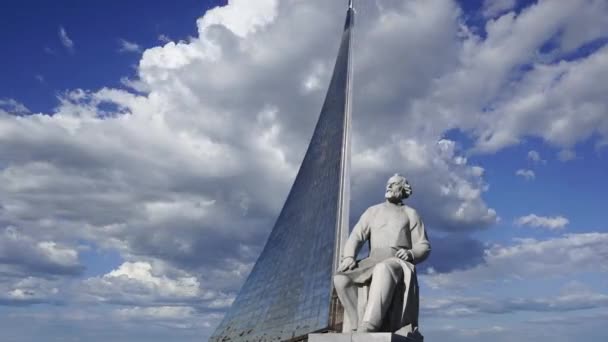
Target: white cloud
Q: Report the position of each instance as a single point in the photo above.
(138, 282)
(154, 292)
(159, 312)
(29, 290)
(192, 169)
(446, 188)
(12, 106)
(313, 81)
(587, 25)
(176, 172)
(65, 39)
(530, 259)
(526, 174)
(242, 17)
(504, 89)
(551, 223)
(26, 255)
(534, 156)
(502, 317)
(492, 8)
(127, 46)
(163, 38)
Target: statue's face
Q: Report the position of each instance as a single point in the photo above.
(394, 188)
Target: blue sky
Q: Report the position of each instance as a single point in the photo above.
(31, 29)
(147, 147)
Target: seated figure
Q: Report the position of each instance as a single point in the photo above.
(380, 292)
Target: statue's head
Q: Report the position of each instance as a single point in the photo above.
(397, 188)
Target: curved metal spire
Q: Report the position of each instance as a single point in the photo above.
(289, 291)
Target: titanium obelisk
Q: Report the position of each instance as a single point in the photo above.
(289, 292)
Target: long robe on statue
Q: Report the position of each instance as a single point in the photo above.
(388, 227)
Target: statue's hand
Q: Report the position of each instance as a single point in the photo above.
(347, 264)
(404, 255)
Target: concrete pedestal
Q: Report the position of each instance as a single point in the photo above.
(362, 337)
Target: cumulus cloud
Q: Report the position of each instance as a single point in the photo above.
(127, 46)
(505, 87)
(551, 223)
(563, 313)
(12, 106)
(191, 169)
(534, 156)
(29, 290)
(33, 270)
(189, 159)
(526, 174)
(492, 8)
(154, 286)
(24, 255)
(135, 282)
(156, 294)
(543, 258)
(65, 39)
(241, 17)
(163, 38)
(447, 190)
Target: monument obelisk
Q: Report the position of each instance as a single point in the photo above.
(289, 292)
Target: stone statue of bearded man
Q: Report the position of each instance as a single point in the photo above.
(380, 293)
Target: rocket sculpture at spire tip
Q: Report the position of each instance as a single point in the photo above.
(350, 3)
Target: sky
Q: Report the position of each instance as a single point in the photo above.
(147, 147)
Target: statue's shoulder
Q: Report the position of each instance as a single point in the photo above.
(411, 212)
(373, 210)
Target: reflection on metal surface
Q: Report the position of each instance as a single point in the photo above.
(289, 291)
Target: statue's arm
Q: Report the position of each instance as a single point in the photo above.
(357, 237)
(421, 247)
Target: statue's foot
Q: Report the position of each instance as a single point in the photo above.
(367, 327)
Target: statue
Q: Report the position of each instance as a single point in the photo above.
(380, 293)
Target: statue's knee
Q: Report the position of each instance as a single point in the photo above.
(341, 281)
(387, 271)
(381, 270)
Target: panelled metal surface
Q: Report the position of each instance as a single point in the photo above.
(288, 291)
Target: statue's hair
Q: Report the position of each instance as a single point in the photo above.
(407, 188)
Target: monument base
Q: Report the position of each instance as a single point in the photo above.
(360, 337)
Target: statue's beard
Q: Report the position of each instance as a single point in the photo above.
(392, 195)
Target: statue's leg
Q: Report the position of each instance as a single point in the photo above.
(384, 280)
(347, 292)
